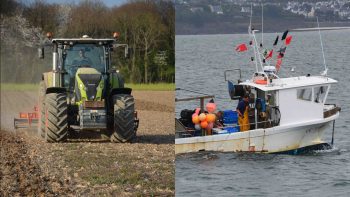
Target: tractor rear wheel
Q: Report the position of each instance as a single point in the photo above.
(56, 117)
(41, 106)
(124, 128)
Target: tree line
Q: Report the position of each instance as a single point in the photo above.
(146, 26)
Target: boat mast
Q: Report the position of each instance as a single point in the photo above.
(324, 59)
(262, 23)
(251, 34)
(256, 48)
(258, 56)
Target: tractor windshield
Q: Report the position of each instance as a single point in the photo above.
(82, 55)
(85, 55)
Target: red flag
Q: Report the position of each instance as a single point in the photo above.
(278, 64)
(280, 56)
(241, 48)
(268, 56)
(288, 40)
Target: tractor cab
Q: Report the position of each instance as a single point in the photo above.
(83, 86)
(85, 65)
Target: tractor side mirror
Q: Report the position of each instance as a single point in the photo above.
(126, 49)
(129, 52)
(41, 53)
(126, 52)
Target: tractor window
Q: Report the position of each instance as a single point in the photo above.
(85, 55)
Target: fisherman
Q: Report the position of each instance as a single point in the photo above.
(242, 110)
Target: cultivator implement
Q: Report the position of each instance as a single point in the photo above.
(26, 119)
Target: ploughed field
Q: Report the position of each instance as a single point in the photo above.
(89, 165)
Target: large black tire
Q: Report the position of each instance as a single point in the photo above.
(56, 117)
(41, 108)
(124, 128)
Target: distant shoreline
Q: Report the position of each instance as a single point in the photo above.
(209, 29)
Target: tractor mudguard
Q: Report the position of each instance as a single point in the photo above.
(116, 80)
(120, 91)
(116, 91)
(47, 78)
(55, 90)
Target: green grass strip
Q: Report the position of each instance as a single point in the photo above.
(144, 87)
(19, 86)
(152, 86)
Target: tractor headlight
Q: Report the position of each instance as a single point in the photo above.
(82, 87)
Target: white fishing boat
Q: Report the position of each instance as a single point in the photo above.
(287, 115)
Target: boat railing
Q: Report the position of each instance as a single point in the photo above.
(200, 98)
(330, 110)
(184, 132)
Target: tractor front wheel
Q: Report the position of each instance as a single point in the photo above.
(56, 124)
(124, 127)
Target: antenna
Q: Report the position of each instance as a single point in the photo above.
(262, 23)
(252, 35)
(324, 59)
(251, 16)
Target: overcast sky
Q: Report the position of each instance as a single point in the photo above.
(108, 3)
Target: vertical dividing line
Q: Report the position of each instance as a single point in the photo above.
(263, 146)
(332, 142)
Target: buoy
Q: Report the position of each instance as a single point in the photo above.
(211, 118)
(261, 82)
(204, 124)
(197, 126)
(197, 111)
(195, 119)
(202, 117)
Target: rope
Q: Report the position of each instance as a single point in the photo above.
(193, 91)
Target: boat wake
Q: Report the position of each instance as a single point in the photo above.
(325, 150)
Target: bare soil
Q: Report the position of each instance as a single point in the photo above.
(89, 165)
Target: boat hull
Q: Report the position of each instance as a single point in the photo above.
(271, 140)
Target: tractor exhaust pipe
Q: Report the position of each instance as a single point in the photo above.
(55, 76)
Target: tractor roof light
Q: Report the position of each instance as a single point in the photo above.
(49, 35)
(116, 35)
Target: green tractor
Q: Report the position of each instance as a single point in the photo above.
(84, 93)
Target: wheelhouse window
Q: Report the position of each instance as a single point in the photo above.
(320, 94)
(304, 94)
